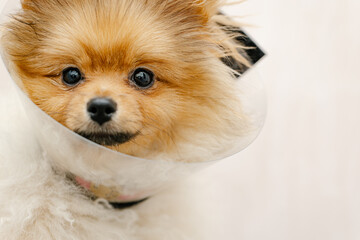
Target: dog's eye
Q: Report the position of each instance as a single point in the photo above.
(142, 78)
(71, 76)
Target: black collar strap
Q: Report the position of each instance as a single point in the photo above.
(126, 205)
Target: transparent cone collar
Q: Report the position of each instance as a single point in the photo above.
(117, 177)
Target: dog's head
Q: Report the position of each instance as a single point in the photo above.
(140, 77)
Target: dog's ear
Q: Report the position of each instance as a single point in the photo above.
(207, 8)
(36, 4)
(203, 9)
(26, 4)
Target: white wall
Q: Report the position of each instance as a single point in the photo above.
(300, 179)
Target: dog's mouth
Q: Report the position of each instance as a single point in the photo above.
(108, 139)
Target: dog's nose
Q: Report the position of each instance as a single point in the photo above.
(101, 110)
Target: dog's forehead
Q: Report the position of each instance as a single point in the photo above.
(101, 38)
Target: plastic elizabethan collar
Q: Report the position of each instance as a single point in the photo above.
(135, 178)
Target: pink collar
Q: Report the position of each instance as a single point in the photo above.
(111, 194)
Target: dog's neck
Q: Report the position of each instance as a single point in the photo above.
(110, 194)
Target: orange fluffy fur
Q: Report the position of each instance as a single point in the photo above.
(193, 99)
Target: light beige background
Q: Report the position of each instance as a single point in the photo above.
(300, 179)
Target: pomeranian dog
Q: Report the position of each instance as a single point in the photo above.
(142, 77)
